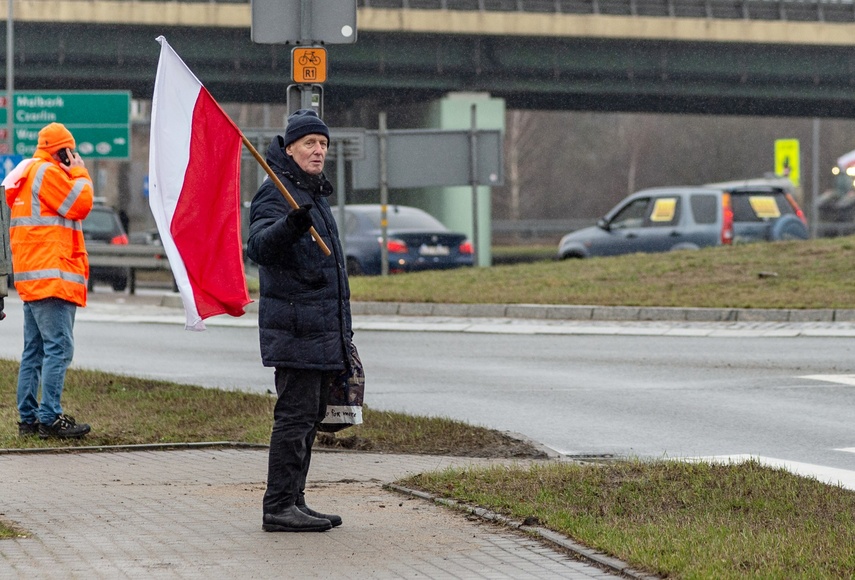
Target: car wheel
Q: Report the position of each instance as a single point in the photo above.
(788, 227)
(354, 268)
(119, 284)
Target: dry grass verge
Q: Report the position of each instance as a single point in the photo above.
(682, 520)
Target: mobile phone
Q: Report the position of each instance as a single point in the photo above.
(63, 156)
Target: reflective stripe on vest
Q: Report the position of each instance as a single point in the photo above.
(46, 221)
(49, 274)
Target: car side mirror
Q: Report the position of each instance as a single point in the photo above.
(603, 224)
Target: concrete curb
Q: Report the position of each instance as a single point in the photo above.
(137, 447)
(581, 312)
(606, 313)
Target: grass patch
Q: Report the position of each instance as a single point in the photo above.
(390, 432)
(523, 253)
(687, 520)
(131, 411)
(807, 274)
(9, 531)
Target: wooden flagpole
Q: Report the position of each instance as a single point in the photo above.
(284, 191)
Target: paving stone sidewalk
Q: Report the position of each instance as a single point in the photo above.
(196, 513)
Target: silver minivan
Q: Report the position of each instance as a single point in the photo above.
(687, 218)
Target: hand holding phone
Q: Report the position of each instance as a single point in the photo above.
(63, 156)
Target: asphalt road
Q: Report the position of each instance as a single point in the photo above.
(602, 394)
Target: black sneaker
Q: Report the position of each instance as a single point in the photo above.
(64, 427)
(28, 429)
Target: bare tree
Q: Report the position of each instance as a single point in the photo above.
(517, 122)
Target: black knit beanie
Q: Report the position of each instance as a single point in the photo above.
(304, 122)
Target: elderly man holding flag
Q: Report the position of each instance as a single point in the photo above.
(304, 313)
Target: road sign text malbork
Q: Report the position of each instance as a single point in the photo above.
(100, 121)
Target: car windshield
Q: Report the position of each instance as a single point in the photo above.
(99, 222)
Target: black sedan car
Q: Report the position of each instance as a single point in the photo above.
(103, 226)
(415, 240)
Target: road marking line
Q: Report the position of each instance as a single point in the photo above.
(840, 379)
(847, 449)
(831, 475)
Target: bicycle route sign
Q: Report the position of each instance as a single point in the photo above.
(309, 64)
(99, 121)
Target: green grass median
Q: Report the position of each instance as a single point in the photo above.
(797, 275)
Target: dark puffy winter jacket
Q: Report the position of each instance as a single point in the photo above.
(304, 311)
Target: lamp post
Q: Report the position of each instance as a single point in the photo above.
(10, 76)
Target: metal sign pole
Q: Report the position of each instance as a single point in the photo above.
(339, 183)
(384, 197)
(5, 252)
(814, 196)
(473, 172)
(305, 27)
(10, 77)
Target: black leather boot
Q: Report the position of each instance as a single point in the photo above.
(292, 519)
(334, 519)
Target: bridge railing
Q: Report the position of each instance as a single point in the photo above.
(793, 10)
(789, 10)
(131, 256)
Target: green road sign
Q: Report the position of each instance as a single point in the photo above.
(99, 121)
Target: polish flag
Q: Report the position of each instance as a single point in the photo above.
(194, 192)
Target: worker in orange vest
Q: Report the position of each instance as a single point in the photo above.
(49, 196)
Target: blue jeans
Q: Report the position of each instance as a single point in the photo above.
(48, 349)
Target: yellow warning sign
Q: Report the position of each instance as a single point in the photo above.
(787, 159)
(309, 64)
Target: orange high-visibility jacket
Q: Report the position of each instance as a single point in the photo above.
(48, 206)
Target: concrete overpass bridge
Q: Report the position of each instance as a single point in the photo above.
(753, 57)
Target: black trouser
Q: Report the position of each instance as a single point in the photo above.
(301, 405)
